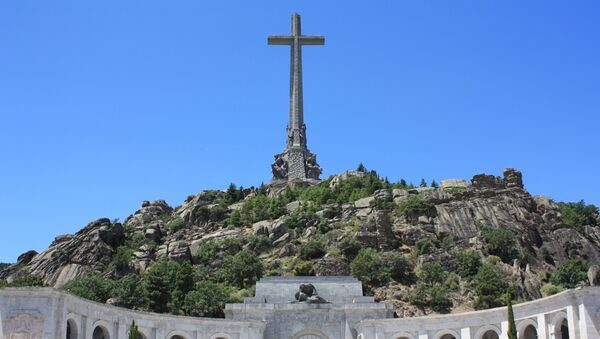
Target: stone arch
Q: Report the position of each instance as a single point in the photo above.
(100, 332)
(559, 326)
(72, 329)
(310, 334)
(403, 335)
(488, 332)
(220, 336)
(177, 335)
(527, 329)
(447, 334)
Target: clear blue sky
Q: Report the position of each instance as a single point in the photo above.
(104, 104)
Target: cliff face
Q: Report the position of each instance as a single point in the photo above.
(458, 211)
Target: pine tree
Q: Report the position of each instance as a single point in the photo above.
(434, 184)
(512, 327)
(361, 168)
(423, 183)
(403, 183)
(133, 331)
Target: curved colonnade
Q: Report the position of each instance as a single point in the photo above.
(48, 313)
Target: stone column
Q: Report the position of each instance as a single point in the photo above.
(572, 321)
(465, 333)
(586, 324)
(504, 329)
(542, 329)
(423, 336)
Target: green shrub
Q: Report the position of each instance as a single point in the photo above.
(350, 247)
(94, 287)
(500, 242)
(261, 207)
(258, 243)
(468, 264)
(424, 246)
(415, 206)
(165, 284)
(578, 214)
(570, 273)
(551, 289)
(133, 331)
(490, 286)
(319, 195)
(120, 259)
(207, 252)
(175, 224)
(312, 249)
(207, 299)
(357, 187)
(303, 268)
(368, 267)
(242, 269)
(432, 273)
(398, 267)
(129, 292)
(434, 296)
(27, 280)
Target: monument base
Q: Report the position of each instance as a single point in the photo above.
(295, 164)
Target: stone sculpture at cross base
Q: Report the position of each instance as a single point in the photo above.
(296, 163)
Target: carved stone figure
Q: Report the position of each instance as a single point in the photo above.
(308, 293)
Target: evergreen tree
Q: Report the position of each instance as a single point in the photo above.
(434, 184)
(133, 331)
(361, 168)
(402, 183)
(512, 327)
(423, 183)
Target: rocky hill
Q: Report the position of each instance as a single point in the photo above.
(429, 244)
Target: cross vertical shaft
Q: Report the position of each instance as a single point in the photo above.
(304, 166)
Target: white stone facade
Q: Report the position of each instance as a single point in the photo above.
(45, 313)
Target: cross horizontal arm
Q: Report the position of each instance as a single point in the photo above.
(302, 39)
(280, 40)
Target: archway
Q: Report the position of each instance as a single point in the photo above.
(177, 336)
(530, 332)
(100, 333)
(562, 331)
(448, 336)
(310, 334)
(490, 334)
(71, 329)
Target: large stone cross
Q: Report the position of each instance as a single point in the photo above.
(296, 162)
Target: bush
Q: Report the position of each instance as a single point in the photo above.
(435, 296)
(500, 242)
(415, 206)
(207, 252)
(27, 280)
(551, 289)
(94, 287)
(318, 195)
(468, 264)
(424, 246)
(368, 267)
(490, 286)
(303, 268)
(242, 269)
(312, 249)
(175, 224)
(350, 247)
(356, 187)
(120, 259)
(432, 273)
(207, 299)
(398, 267)
(129, 292)
(578, 214)
(259, 243)
(570, 273)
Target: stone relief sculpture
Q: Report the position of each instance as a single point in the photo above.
(24, 326)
